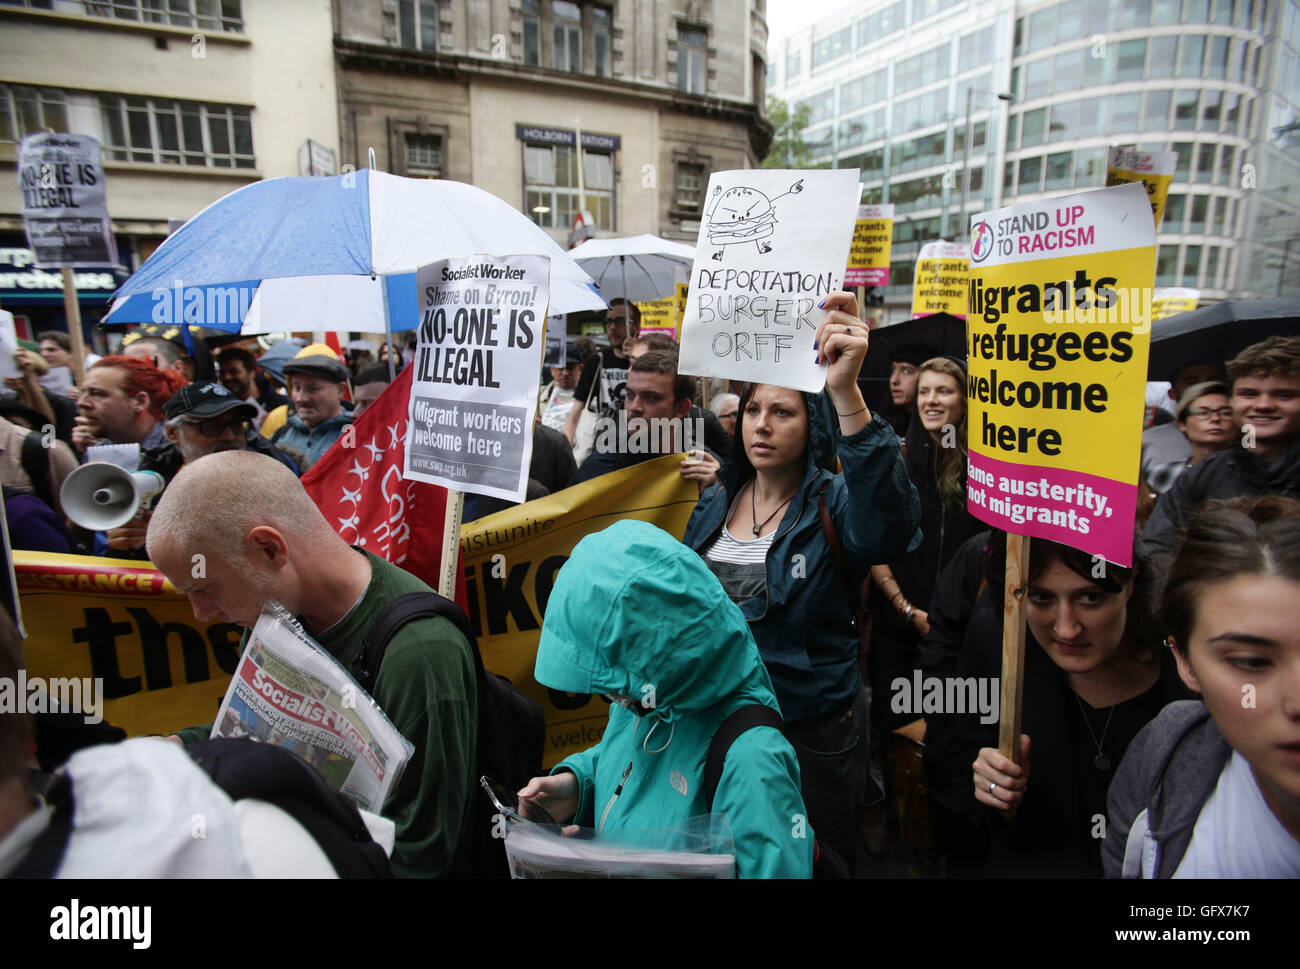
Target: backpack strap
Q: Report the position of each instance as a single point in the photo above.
(396, 614)
(36, 465)
(740, 720)
(856, 597)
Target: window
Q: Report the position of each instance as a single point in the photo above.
(975, 50)
(1031, 175)
(1134, 13)
(831, 46)
(551, 185)
(1160, 56)
(1191, 56)
(862, 128)
(1038, 79)
(1069, 70)
(1227, 165)
(1185, 101)
(1124, 113)
(1196, 219)
(1155, 110)
(1099, 70)
(1069, 21)
(1013, 131)
(176, 132)
(1065, 121)
(417, 22)
(691, 51)
(1033, 128)
(1008, 177)
(1175, 208)
(1184, 149)
(532, 30)
(1205, 163)
(1216, 65)
(1132, 57)
(1211, 104)
(1211, 267)
(921, 69)
(1223, 12)
(566, 26)
(689, 185)
(1197, 12)
(821, 106)
(1165, 12)
(1042, 29)
(1166, 265)
(793, 65)
(1192, 266)
(862, 92)
(1089, 167)
(201, 14)
(1059, 168)
(600, 33)
(29, 111)
(424, 155)
(1092, 117)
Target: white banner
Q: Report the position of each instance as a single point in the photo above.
(65, 205)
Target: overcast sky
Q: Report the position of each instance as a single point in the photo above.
(786, 16)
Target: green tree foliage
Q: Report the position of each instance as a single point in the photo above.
(789, 150)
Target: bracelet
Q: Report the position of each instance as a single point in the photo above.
(909, 612)
(854, 414)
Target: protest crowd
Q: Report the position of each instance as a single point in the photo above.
(773, 664)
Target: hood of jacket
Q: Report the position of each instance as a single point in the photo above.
(636, 613)
(823, 436)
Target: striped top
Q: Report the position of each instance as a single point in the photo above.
(741, 567)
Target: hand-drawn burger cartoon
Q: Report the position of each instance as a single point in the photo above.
(743, 214)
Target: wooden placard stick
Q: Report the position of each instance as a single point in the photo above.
(1013, 645)
(72, 309)
(450, 545)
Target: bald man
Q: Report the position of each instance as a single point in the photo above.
(235, 529)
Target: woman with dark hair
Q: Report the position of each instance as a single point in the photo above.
(901, 590)
(1093, 677)
(1212, 789)
(761, 532)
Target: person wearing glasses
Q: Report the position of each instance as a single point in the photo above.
(199, 419)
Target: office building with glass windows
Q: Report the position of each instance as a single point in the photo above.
(990, 102)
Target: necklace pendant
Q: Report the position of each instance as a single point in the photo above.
(757, 529)
(1101, 762)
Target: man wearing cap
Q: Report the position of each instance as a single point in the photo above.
(1205, 420)
(1165, 447)
(199, 419)
(317, 384)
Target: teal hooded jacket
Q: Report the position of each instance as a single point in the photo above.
(635, 613)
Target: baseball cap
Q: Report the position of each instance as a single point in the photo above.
(318, 360)
(199, 401)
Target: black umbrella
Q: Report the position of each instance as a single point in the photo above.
(928, 336)
(1215, 334)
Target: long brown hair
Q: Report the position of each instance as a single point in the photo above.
(950, 465)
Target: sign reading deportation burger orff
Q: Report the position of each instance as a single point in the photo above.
(772, 244)
(1058, 330)
(477, 366)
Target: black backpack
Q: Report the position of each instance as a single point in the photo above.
(826, 863)
(36, 465)
(511, 726)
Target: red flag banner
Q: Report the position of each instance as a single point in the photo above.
(358, 486)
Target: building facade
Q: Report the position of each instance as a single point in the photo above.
(618, 109)
(998, 101)
(190, 99)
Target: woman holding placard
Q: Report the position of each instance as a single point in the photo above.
(1094, 676)
(1212, 789)
(761, 532)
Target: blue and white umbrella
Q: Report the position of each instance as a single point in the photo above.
(331, 254)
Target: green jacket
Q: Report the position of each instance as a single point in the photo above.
(426, 686)
(635, 613)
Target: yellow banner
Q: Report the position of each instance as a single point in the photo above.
(659, 316)
(123, 623)
(1153, 169)
(683, 291)
(510, 561)
(1172, 301)
(942, 271)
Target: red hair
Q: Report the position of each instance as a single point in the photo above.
(140, 376)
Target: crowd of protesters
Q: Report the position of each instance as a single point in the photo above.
(830, 558)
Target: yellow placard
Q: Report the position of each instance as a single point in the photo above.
(1058, 331)
(942, 270)
(1153, 169)
(1172, 301)
(683, 290)
(873, 236)
(659, 315)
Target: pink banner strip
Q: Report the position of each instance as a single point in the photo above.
(1084, 511)
(867, 277)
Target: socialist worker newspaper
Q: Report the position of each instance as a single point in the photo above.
(289, 692)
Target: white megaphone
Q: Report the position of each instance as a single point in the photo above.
(100, 496)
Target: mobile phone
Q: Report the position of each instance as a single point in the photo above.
(508, 803)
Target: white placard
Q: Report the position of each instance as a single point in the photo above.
(65, 206)
(478, 364)
(8, 346)
(772, 244)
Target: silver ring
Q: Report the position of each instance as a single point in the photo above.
(991, 787)
(848, 331)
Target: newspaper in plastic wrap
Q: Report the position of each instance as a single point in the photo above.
(289, 692)
(700, 847)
